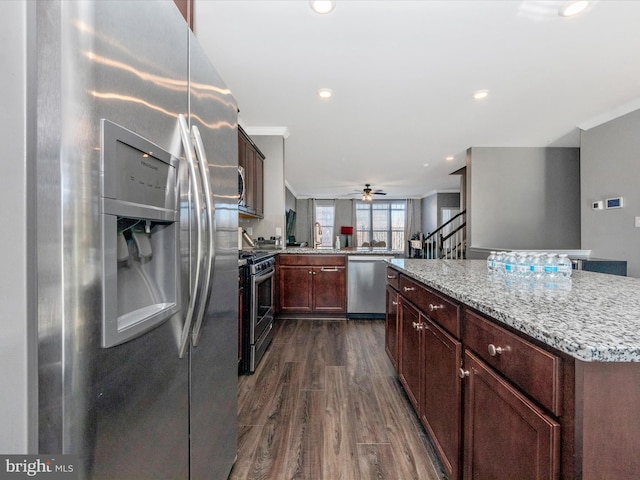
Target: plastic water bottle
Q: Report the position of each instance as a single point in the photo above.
(537, 266)
(522, 265)
(498, 263)
(551, 266)
(337, 242)
(564, 266)
(491, 262)
(510, 264)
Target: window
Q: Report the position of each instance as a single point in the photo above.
(379, 222)
(325, 212)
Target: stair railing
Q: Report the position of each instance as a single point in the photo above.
(448, 241)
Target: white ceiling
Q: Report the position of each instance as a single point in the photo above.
(403, 75)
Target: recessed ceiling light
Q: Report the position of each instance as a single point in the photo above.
(570, 9)
(481, 94)
(322, 6)
(426, 165)
(325, 93)
(450, 157)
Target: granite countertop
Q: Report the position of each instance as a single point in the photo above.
(341, 251)
(593, 317)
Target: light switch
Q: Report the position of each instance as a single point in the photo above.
(637, 222)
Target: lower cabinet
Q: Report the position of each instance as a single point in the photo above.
(311, 284)
(486, 421)
(506, 435)
(392, 326)
(442, 391)
(410, 362)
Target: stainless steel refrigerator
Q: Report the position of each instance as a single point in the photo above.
(119, 316)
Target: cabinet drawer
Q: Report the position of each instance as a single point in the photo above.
(393, 278)
(312, 260)
(536, 371)
(443, 311)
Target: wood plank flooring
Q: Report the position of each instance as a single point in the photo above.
(325, 404)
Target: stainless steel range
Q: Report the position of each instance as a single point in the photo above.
(257, 309)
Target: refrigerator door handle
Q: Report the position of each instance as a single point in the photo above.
(210, 212)
(188, 149)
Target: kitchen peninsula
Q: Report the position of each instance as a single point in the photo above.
(320, 281)
(549, 373)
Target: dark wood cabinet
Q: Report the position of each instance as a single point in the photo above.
(186, 9)
(258, 183)
(391, 326)
(460, 370)
(410, 362)
(294, 289)
(251, 160)
(329, 289)
(240, 306)
(506, 435)
(311, 284)
(442, 394)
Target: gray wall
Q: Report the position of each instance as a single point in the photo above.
(523, 198)
(610, 167)
(431, 209)
(289, 200)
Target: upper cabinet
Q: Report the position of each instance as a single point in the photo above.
(251, 176)
(186, 9)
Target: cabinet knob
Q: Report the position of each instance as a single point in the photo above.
(435, 307)
(394, 303)
(409, 289)
(493, 350)
(463, 373)
(310, 272)
(418, 325)
(392, 277)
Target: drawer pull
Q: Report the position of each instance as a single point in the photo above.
(493, 350)
(418, 325)
(392, 277)
(463, 373)
(409, 289)
(325, 269)
(435, 307)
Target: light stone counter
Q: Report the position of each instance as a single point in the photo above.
(341, 251)
(593, 317)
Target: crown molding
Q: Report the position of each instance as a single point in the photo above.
(266, 131)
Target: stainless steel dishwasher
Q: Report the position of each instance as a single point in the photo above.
(366, 286)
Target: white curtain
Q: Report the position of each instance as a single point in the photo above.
(414, 221)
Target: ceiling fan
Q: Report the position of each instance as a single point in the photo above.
(367, 192)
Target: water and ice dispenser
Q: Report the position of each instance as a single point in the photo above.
(140, 235)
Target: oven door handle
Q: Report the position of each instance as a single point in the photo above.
(210, 231)
(264, 276)
(189, 154)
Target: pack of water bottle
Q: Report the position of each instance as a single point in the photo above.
(538, 266)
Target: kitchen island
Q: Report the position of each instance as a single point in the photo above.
(549, 373)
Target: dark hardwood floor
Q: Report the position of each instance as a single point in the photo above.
(325, 403)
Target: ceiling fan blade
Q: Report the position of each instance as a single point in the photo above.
(379, 193)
